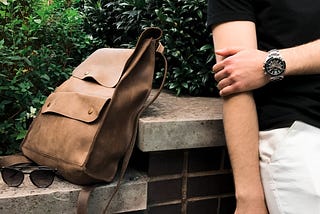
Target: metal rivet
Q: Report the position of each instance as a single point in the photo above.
(86, 73)
(90, 111)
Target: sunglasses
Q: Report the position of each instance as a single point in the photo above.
(40, 176)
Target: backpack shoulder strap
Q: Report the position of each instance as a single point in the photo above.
(160, 58)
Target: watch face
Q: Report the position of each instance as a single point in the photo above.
(275, 66)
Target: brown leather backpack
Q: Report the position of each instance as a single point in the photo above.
(89, 123)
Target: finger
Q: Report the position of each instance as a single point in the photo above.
(217, 67)
(220, 75)
(226, 91)
(232, 88)
(228, 51)
(224, 83)
(229, 90)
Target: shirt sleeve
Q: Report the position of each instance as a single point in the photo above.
(220, 11)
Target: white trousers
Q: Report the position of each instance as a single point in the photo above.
(290, 169)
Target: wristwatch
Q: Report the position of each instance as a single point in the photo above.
(274, 65)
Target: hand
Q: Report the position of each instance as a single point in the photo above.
(240, 70)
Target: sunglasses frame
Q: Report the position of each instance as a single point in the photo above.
(28, 169)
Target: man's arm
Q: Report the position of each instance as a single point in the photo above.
(303, 59)
(243, 71)
(241, 126)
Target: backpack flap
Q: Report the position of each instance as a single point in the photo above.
(74, 105)
(105, 65)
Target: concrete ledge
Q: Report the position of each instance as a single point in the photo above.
(61, 197)
(184, 122)
(171, 123)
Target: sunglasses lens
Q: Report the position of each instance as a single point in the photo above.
(42, 178)
(12, 177)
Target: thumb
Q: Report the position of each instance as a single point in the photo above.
(228, 51)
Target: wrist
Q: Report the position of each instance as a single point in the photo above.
(250, 187)
(253, 195)
(291, 57)
(251, 205)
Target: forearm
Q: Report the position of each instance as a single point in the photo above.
(241, 126)
(241, 129)
(303, 59)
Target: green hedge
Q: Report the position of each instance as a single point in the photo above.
(40, 45)
(187, 41)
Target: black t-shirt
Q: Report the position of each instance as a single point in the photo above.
(279, 24)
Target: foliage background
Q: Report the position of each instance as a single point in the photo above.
(41, 41)
(187, 41)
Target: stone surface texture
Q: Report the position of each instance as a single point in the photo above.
(183, 122)
(61, 197)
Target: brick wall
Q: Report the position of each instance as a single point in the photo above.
(194, 181)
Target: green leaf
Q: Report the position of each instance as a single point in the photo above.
(45, 77)
(185, 85)
(206, 47)
(27, 61)
(21, 134)
(5, 2)
(200, 14)
(37, 21)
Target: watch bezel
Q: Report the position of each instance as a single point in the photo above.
(271, 70)
(274, 65)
